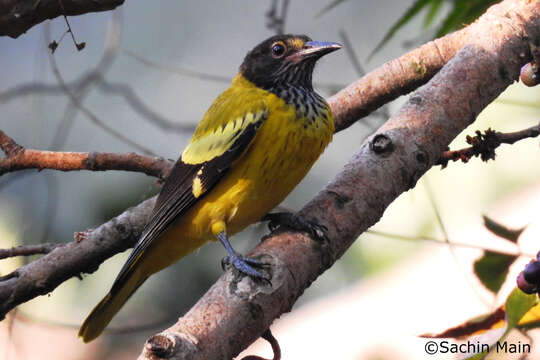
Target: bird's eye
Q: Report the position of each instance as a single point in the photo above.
(278, 49)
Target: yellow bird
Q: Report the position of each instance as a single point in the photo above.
(255, 143)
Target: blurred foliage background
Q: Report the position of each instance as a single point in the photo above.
(173, 59)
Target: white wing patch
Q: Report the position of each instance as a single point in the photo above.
(198, 188)
(218, 141)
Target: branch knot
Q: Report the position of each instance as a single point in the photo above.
(382, 145)
(9, 146)
(161, 346)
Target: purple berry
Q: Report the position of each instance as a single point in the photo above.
(525, 286)
(532, 272)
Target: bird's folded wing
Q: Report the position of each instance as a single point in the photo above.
(210, 154)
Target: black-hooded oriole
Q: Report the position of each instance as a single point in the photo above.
(255, 143)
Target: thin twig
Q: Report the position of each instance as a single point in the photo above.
(178, 70)
(81, 91)
(451, 245)
(79, 46)
(53, 45)
(27, 250)
(8, 145)
(444, 242)
(484, 145)
(83, 87)
(383, 111)
(329, 87)
(75, 161)
(86, 111)
(349, 49)
(142, 109)
(274, 21)
(276, 350)
(117, 330)
(107, 87)
(17, 17)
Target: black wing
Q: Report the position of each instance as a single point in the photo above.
(178, 193)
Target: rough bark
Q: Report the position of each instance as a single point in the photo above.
(24, 159)
(235, 311)
(413, 69)
(43, 275)
(484, 144)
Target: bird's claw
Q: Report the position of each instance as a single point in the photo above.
(245, 266)
(296, 222)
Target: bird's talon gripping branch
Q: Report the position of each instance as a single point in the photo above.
(241, 263)
(296, 222)
(248, 260)
(244, 265)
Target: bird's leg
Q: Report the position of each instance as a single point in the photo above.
(296, 222)
(240, 262)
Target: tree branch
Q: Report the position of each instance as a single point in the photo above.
(8, 145)
(413, 69)
(20, 158)
(26, 250)
(114, 88)
(275, 21)
(484, 145)
(17, 16)
(43, 275)
(87, 80)
(236, 310)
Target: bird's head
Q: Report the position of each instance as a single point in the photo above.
(284, 60)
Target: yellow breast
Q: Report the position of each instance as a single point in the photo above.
(284, 149)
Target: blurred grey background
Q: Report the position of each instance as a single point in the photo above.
(209, 37)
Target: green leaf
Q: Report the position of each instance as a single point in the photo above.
(479, 356)
(454, 19)
(433, 10)
(517, 305)
(531, 319)
(492, 269)
(502, 230)
(464, 12)
(477, 8)
(409, 14)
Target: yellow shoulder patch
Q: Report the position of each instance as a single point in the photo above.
(220, 139)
